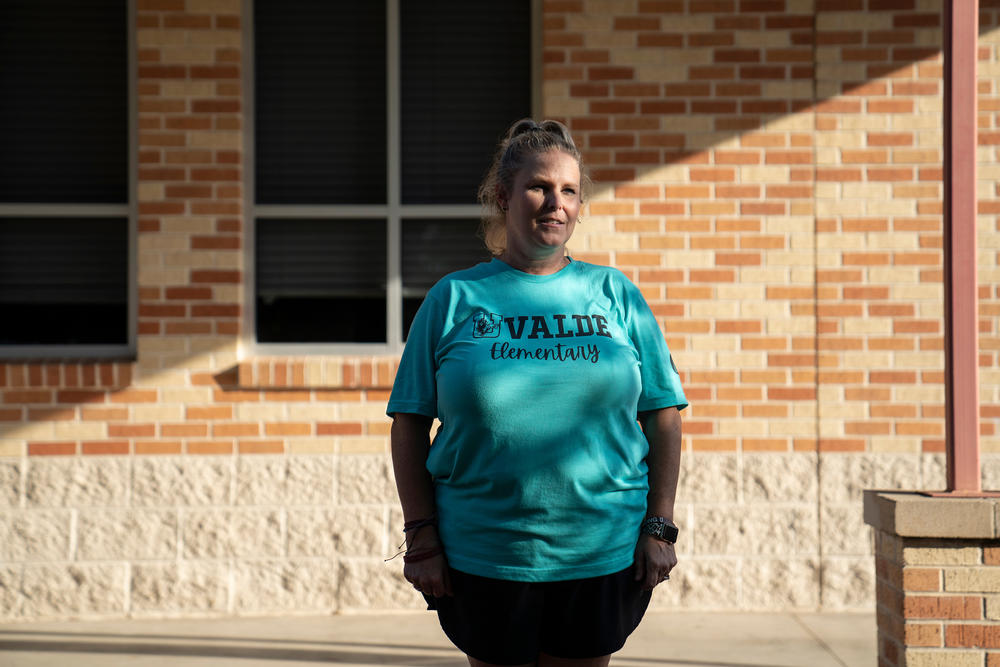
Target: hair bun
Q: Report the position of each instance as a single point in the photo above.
(522, 126)
(529, 125)
(558, 129)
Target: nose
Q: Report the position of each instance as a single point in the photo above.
(554, 200)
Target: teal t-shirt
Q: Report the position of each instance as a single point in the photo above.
(539, 464)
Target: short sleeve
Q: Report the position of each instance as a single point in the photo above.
(661, 383)
(415, 388)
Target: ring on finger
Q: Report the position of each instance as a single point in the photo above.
(666, 577)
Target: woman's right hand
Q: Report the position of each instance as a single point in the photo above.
(428, 575)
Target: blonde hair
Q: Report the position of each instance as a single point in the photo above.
(524, 139)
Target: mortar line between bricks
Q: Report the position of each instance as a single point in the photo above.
(819, 640)
(817, 421)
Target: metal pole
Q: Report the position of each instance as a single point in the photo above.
(961, 344)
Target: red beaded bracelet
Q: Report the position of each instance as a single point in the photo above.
(419, 523)
(421, 555)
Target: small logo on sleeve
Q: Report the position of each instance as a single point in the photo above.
(486, 325)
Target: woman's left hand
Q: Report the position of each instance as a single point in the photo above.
(654, 559)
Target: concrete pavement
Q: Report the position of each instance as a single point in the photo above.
(668, 639)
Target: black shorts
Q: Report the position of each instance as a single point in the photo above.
(511, 622)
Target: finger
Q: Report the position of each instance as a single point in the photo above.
(653, 577)
(640, 565)
(417, 580)
(441, 584)
(436, 585)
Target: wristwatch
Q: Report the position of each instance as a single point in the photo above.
(660, 528)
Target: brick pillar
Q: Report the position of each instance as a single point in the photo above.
(937, 562)
(190, 199)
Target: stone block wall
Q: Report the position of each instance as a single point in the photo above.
(768, 173)
(168, 535)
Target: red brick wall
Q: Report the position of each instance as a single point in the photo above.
(935, 601)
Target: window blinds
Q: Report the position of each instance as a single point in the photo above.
(63, 281)
(465, 73)
(433, 248)
(321, 280)
(320, 126)
(64, 114)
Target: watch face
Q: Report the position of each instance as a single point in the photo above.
(659, 527)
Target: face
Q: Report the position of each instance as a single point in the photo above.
(543, 205)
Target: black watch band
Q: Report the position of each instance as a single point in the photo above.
(660, 528)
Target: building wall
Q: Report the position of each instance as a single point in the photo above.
(767, 171)
(770, 174)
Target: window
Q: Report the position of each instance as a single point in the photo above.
(373, 126)
(64, 178)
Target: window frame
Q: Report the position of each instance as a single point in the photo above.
(82, 212)
(393, 212)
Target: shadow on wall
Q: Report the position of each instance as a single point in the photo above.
(777, 195)
(772, 182)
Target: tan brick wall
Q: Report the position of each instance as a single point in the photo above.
(989, 223)
(768, 172)
(698, 126)
(190, 223)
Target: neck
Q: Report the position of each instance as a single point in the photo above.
(539, 266)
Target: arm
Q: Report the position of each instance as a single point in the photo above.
(410, 440)
(662, 428)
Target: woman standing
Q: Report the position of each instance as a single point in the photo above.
(541, 518)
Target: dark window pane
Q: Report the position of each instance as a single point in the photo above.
(320, 102)
(321, 281)
(431, 249)
(64, 281)
(466, 76)
(64, 109)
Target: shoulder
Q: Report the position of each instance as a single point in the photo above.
(474, 272)
(598, 271)
(608, 276)
(457, 280)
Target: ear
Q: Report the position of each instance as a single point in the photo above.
(502, 197)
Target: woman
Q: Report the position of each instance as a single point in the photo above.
(541, 518)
